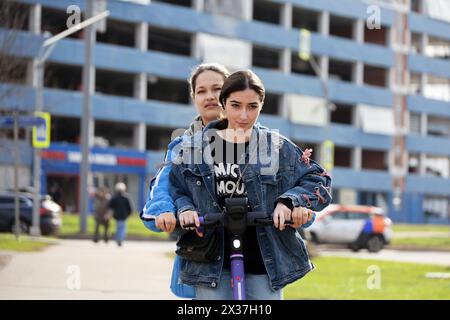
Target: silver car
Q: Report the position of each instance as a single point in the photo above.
(353, 225)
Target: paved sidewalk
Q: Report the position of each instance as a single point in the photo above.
(137, 270)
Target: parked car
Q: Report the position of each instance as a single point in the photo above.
(356, 226)
(50, 213)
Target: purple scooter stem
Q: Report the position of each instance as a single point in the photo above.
(202, 221)
(237, 276)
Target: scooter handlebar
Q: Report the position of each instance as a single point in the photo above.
(255, 218)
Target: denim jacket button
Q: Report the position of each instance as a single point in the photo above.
(218, 258)
(199, 182)
(213, 284)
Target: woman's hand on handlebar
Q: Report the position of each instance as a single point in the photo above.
(301, 216)
(190, 217)
(280, 215)
(166, 221)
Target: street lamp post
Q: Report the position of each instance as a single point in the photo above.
(44, 53)
(86, 126)
(327, 148)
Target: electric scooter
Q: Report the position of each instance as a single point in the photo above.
(236, 219)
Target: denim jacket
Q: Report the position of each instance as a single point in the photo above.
(159, 201)
(158, 198)
(282, 170)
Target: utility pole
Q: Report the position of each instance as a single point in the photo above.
(35, 229)
(327, 147)
(44, 53)
(16, 175)
(399, 154)
(86, 120)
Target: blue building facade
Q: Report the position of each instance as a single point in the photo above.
(150, 48)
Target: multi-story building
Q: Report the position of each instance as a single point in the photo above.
(143, 59)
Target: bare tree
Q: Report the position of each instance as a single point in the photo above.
(13, 19)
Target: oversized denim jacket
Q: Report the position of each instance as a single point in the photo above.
(293, 176)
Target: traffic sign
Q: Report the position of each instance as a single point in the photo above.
(41, 133)
(304, 47)
(22, 122)
(328, 155)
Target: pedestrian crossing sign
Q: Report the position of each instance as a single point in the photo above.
(304, 47)
(328, 155)
(41, 133)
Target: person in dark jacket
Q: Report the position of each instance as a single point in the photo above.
(102, 213)
(121, 207)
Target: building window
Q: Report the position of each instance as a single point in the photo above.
(168, 90)
(415, 81)
(14, 15)
(375, 76)
(170, 41)
(438, 48)
(436, 207)
(121, 136)
(438, 126)
(374, 160)
(13, 69)
(301, 66)
(378, 199)
(437, 88)
(158, 138)
(183, 3)
(62, 76)
(340, 70)
(306, 19)
(342, 157)
(415, 5)
(416, 42)
(65, 129)
(414, 123)
(266, 11)
(437, 166)
(233, 8)
(271, 104)
(114, 83)
(118, 33)
(342, 114)
(265, 57)
(376, 36)
(341, 27)
(414, 163)
(55, 21)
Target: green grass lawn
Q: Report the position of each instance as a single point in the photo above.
(9, 242)
(429, 237)
(399, 227)
(423, 242)
(135, 227)
(346, 278)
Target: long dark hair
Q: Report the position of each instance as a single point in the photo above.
(240, 81)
